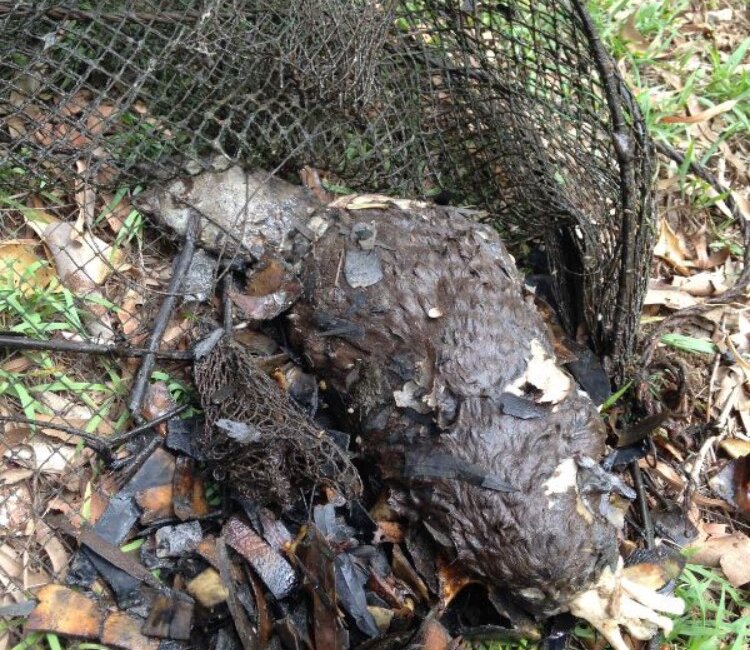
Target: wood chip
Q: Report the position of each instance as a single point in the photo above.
(66, 612)
(124, 631)
(207, 588)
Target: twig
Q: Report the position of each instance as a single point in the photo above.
(181, 266)
(79, 347)
(648, 527)
(114, 441)
(99, 444)
(711, 382)
(132, 464)
(227, 303)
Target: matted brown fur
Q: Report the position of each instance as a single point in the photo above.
(450, 316)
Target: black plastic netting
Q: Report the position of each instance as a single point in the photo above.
(512, 108)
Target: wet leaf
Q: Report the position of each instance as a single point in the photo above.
(189, 497)
(405, 572)
(170, 617)
(452, 579)
(157, 402)
(434, 636)
(316, 558)
(732, 483)
(175, 541)
(350, 580)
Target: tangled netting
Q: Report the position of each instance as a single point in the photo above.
(510, 106)
(257, 439)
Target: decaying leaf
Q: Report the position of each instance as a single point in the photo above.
(271, 289)
(375, 201)
(189, 499)
(703, 116)
(15, 507)
(733, 484)
(14, 475)
(316, 558)
(634, 40)
(11, 572)
(174, 541)
(129, 312)
(671, 297)
(730, 552)
(704, 284)
(66, 612)
(103, 428)
(157, 402)
(53, 547)
(170, 616)
(671, 248)
(704, 260)
(45, 457)
(22, 269)
(83, 261)
(451, 580)
(156, 503)
(434, 636)
(124, 631)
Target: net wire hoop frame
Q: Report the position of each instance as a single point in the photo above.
(511, 108)
(514, 107)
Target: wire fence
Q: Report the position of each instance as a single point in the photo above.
(511, 109)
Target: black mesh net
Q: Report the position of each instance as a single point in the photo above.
(264, 445)
(511, 108)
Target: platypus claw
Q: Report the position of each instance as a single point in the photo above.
(617, 600)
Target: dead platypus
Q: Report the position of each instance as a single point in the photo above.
(415, 318)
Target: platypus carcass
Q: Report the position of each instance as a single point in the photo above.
(415, 317)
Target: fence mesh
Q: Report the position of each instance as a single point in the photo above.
(510, 108)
